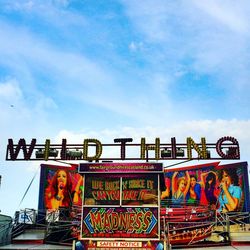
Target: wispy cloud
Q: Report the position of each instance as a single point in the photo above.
(234, 15)
(10, 90)
(212, 130)
(11, 100)
(135, 46)
(34, 59)
(204, 39)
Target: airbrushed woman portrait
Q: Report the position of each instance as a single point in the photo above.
(194, 192)
(180, 187)
(60, 192)
(209, 183)
(231, 193)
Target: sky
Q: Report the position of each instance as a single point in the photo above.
(106, 69)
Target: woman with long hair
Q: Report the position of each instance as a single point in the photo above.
(59, 192)
(194, 191)
(180, 187)
(231, 192)
(209, 180)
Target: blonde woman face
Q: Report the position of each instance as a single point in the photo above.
(182, 185)
(61, 179)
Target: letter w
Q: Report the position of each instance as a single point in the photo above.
(21, 144)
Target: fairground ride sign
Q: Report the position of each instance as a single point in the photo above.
(226, 147)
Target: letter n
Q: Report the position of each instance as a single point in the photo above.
(202, 152)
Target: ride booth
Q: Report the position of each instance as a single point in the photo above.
(121, 206)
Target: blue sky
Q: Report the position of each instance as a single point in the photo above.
(78, 69)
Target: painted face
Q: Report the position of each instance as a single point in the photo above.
(226, 179)
(182, 185)
(62, 179)
(192, 181)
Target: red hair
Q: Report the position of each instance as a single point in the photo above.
(52, 190)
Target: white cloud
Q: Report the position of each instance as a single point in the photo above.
(66, 67)
(12, 102)
(212, 130)
(135, 46)
(230, 13)
(132, 46)
(20, 116)
(19, 5)
(63, 3)
(70, 71)
(52, 13)
(150, 18)
(205, 38)
(10, 90)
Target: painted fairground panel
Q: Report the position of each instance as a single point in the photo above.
(234, 188)
(102, 190)
(120, 222)
(222, 187)
(140, 190)
(60, 201)
(106, 189)
(60, 187)
(120, 206)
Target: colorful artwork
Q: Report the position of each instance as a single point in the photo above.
(112, 190)
(222, 187)
(101, 190)
(120, 222)
(60, 187)
(120, 205)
